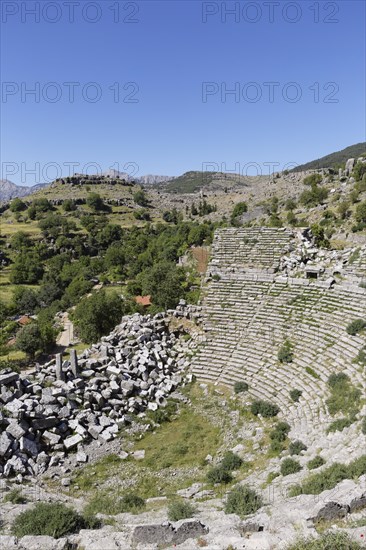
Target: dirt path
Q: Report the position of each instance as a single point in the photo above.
(66, 337)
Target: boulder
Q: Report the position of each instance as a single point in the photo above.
(331, 511)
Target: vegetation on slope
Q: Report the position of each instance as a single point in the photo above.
(334, 160)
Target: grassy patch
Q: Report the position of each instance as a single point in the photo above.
(312, 372)
(340, 424)
(184, 442)
(344, 397)
(15, 496)
(330, 477)
(315, 462)
(175, 455)
(331, 541)
(97, 473)
(109, 503)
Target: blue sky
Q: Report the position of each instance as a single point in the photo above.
(172, 63)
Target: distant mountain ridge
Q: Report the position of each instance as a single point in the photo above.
(334, 160)
(9, 190)
(191, 181)
(148, 179)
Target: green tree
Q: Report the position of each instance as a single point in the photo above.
(164, 282)
(319, 236)
(29, 339)
(343, 210)
(27, 268)
(95, 202)
(97, 315)
(360, 214)
(359, 170)
(115, 257)
(290, 204)
(38, 208)
(239, 209)
(315, 195)
(25, 300)
(198, 234)
(19, 240)
(69, 205)
(142, 214)
(140, 198)
(17, 205)
(78, 287)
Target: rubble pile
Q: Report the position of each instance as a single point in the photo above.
(65, 404)
(303, 256)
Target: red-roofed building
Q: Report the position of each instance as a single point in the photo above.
(24, 320)
(143, 300)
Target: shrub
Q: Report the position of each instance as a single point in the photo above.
(15, 497)
(131, 503)
(265, 408)
(312, 197)
(105, 502)
(290, 204)
(280, 431)
(344, 397)
(361, 356)
(328, 541)
(296, 447)
(285, 354)
(289, 466)
(313, 179)
(180, 510)
(356, 326)
(52, 519)
(276, 446)
(69, 205)
(242, 500)
(331, 476)
(239, 387)
(140, 198)
(315, 462)
(219, 474)
(142, 214)
(359, 170)
(231, 461)
(239, 209)
(360, 214)
(295, 395)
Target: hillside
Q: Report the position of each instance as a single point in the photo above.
(201, 394)
(334, 160)
(191, 182)
(9, 190)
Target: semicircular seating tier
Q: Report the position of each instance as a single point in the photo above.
(250, 310)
